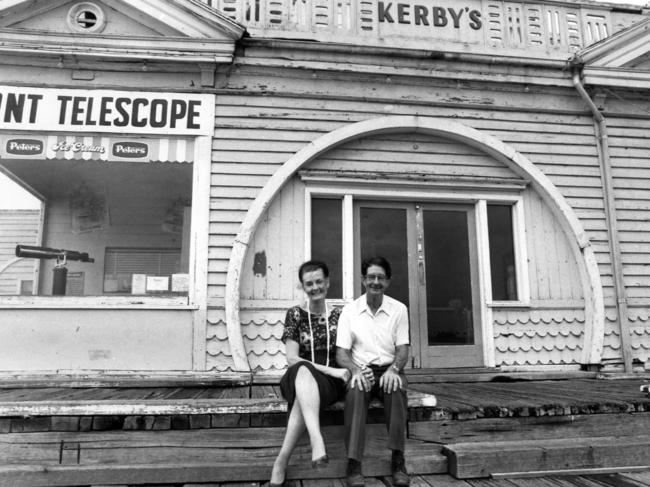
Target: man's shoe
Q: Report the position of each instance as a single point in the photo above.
(398, 468)
(353, 476)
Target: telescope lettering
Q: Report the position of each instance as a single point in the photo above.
(13, 107)
(49, 109)
(129, 112)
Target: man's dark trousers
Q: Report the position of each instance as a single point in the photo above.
(356, 413)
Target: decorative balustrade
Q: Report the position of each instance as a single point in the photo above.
(549, 30)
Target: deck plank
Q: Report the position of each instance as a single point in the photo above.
(206, 455)
(468, 460)
(322, 483)
(533, 427)
(539, 398)
(536, 482)
(641, 477)
(439, 480)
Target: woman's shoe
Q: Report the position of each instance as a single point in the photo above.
(320, 461)
(281, 484)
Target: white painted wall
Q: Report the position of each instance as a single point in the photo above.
(99, 339)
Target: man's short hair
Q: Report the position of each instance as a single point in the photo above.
(313, 265)
(378, 261)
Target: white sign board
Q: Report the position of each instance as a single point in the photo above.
(132, 112)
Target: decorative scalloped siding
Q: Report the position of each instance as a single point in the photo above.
(639, 337)
(521, 337)
(218, 356)
(538, 337)
(264, 347)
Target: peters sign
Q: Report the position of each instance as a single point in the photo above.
(451, 20)
(44, 109)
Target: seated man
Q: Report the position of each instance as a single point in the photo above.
(373, 344)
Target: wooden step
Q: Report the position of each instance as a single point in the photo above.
(530, 428)
(482, 459)
(210, 455)
(134, 407)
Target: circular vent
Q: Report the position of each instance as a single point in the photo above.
(86, 17)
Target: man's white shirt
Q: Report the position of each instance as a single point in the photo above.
(372, 338)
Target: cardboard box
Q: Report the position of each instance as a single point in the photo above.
(156, 284)
(138, 284)
(180, 283)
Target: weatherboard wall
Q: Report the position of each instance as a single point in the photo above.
(265, 114)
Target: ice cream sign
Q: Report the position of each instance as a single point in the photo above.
(96, 147)
(44, 109)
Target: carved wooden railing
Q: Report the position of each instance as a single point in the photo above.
(554, 28)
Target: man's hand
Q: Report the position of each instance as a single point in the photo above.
(390, 381)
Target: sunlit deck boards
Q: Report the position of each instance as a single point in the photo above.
(537, 398)
(629, 479)
(168, 437)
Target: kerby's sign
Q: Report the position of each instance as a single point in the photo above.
(457, 21)
(44, 109)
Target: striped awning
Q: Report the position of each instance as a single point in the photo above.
(96, 148)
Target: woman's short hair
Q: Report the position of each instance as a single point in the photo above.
(378, 261)
(313, 265)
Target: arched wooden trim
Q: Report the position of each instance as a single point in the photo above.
(589, 273)
(8, 264)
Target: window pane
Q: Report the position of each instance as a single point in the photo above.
(126, 269)
(92, 206)
(502, 253)
(326, 240)
(383, 232)
(448, 271)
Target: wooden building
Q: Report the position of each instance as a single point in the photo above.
(16, 273)
(496, 152)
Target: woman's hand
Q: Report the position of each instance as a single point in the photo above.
(344, 375)
(363, 378)
(360, 381)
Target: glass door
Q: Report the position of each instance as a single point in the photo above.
(433, 254)
(449, 317)
(383, 229)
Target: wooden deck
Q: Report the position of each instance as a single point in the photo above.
(629, 479)
(592, 429)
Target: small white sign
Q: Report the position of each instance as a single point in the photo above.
(180, 283)
(139, 284)
(157, 283)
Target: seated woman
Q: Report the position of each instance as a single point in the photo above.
(312, 380)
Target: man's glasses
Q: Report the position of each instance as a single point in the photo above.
(378, 277)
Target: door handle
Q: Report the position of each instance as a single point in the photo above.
(421, 272)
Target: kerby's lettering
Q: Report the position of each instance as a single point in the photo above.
(109, 111)
(409, 14)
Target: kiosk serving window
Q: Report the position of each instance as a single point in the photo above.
(117, 227)
(117, 180)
